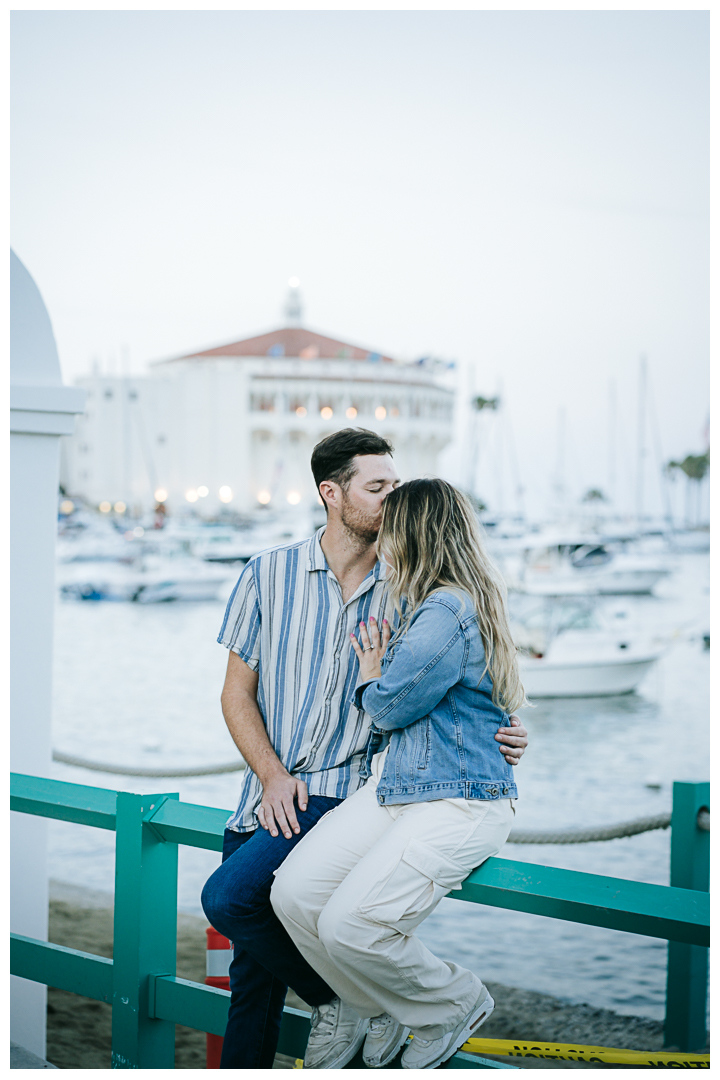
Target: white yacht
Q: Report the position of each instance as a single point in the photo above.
(690, 540)
(574, 667)
(143, 576)
(570, 650)
(582, 566)
(238, 545)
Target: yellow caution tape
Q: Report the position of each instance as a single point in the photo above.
(574, 1052)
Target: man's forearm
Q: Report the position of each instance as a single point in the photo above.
(248, 732)
(245, 724)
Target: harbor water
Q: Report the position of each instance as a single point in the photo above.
(139, 685)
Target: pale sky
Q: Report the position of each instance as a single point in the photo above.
(523, 192)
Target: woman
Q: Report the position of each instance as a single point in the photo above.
(439, 799)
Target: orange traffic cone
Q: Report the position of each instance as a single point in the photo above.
(218, 957)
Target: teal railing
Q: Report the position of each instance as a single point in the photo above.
(148, 999)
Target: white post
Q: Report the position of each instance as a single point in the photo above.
(41, 410)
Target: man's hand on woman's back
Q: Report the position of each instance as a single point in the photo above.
(513, 740)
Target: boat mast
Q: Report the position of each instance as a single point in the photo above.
(559, 483)
(612, 438)
(499, 451)
(659, 456)
(519, 489)
(126, 433)
(474, 436)
(642, 395)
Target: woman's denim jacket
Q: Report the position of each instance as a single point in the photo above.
(435, 698)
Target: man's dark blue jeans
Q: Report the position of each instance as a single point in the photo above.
(236, 901)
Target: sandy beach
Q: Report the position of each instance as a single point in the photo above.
(79, 1029)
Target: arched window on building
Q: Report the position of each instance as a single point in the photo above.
(262, 402)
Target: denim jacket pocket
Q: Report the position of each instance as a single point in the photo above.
(423, 743)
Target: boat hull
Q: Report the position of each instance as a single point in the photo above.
(125, 584)
(556, 678)
(163, 591)
(623, 582)
(691, 541)
(586, 583)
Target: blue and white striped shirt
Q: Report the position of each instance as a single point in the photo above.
(286, 619)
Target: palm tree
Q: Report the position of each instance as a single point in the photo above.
(479, 403)
(696, 468)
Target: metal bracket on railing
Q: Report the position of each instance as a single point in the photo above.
(152, 984)
(150, 814)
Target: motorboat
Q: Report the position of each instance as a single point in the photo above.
(150, 581)
(569, 650)
(583, 566)
(94, 545)
(566, 671)
(228, 544)
(690, 540)
(236, 547)
(187, 560)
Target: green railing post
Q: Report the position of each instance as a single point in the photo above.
(145, 934)
(687, 971)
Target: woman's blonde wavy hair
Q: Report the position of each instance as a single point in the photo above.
(431, 540)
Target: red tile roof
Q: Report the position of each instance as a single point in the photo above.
(292, 341)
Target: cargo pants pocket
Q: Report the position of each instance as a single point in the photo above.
(405, 897)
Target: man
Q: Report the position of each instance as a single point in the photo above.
(288, 704)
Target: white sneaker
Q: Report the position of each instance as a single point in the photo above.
(429, 1053)
(336, 1035)
(384, 1038)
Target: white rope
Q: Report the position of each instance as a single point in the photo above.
(570, 836)
(585, 836)
(607, 832)
(130, 770)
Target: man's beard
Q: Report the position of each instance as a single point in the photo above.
(360, 525)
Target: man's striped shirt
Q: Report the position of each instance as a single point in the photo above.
(286, 619)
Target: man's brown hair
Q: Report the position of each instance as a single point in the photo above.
(332, 458)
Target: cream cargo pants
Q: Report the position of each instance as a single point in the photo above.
(354, 890)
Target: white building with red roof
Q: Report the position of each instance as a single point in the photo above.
(235, 425)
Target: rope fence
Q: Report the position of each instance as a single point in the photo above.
(586, 836)
(130, 770)
(518, 836)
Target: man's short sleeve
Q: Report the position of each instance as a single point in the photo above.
(241, 626)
